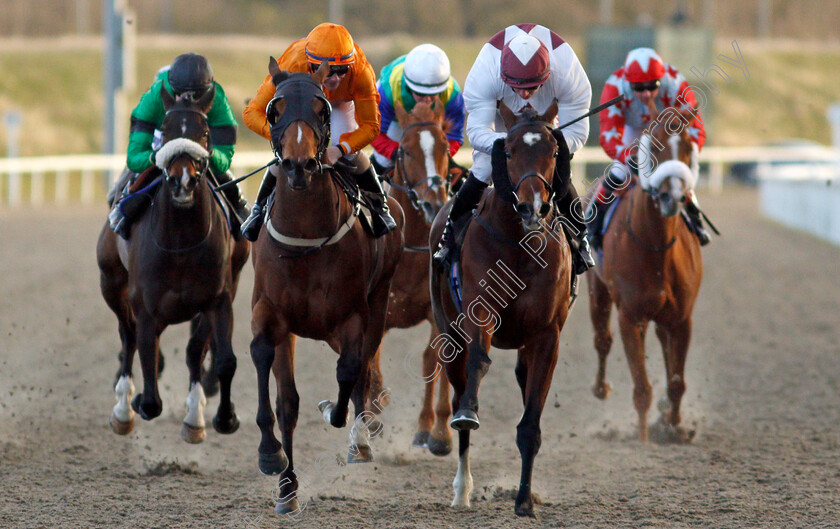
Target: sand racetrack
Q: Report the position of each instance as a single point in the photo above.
(763, 392)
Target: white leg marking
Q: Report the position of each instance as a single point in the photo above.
(359, 434)
(196, 401)
(124, 391)
(463, 483)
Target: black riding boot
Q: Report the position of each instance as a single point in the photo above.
(368, 182)
(251, 227)
(465, 200)
(596, 225)
(695, 222)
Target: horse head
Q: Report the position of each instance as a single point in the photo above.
(423, 156)
(299, 116)
(531, 152)
(667, 162)
(185, 152)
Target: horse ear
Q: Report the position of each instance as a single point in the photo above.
(166, 97)
(550, 113)
(439, 108)
(654, 113)
(206, 101)
(507, 115)
(320, 75)
(401, 114)
(277, 75)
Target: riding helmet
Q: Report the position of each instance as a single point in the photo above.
(427, 70)
(643, 65)
(190, 72)
(525, 62)
(330, 42)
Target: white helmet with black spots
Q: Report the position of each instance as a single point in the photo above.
(427, 70)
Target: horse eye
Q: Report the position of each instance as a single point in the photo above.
(508, 154)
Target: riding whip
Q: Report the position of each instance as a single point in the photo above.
(241, 178)
(595, 110)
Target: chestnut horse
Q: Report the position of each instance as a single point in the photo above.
(180, 264)
(317, 274)
(651, 270)
(513, 295)
(417, 185)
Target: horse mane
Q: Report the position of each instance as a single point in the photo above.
(529, 114)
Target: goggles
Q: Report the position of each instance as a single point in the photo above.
(650, 86)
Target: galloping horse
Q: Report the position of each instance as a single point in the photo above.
(421, 192)
(515, 272)
(651, 270)
(180, 264)
(318, 275)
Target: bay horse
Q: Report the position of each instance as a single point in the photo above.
(317, 274)
(651, 270)
(180, 264)
(515, 272)
(418, 187)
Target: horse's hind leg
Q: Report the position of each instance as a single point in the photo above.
(440, 440)
(193, 428)
(600, 308)
(272, 459)
(288, 404)
(431, 375)
(225, 421)
(534, 369)
(633, 336)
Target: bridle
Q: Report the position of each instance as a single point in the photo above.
(531, 174)
(408, 187)
(201, 164)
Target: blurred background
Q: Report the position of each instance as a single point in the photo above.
(62, 92)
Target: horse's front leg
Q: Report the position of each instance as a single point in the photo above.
(221, 318)
(148, 403)
(348, 371)
(192, 430)
(440, 438)
(600, 308)
(288, 404)
(272, 459)
(675, 339)
(633, 335)
(478, 363)
(534, 369)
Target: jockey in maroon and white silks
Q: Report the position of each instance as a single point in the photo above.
(644, 77)
(526, 67)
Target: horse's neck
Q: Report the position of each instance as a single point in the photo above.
(647, 222)
(310, 213)
(177, 227)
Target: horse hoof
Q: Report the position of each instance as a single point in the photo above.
(147, 414)
(420, 439)
(663, 433)
(359, 454)
(602, 391)
(286, 507)
(464, 420)
(525, 509)
(119, 427)
(192, 434)
(375, 428)
(327, 407)
(227, 426)
(273, 464)
(439, 447)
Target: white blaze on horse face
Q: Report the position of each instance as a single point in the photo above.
(427, 143)
(674, 142)
(531, 138)
(300, 133)
(124, 391)
(196, 401)
(185, 177)
(463, 482)
(184, 127)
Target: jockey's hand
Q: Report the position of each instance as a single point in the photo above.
(332, 155)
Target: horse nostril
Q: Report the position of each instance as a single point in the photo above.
(544, 209)
(525, 210)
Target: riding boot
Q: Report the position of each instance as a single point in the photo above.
(234, 196)
(251, 227)
(465, 200)
(582, 255)
(597, 211)
(368, 182)
(695, 221)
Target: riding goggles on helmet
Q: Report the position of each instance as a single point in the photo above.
(337, 69)
(650, 86)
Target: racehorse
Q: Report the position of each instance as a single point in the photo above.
(420, 190)
(651, 269)
(317, 274)
(181, 263)
(515, 274)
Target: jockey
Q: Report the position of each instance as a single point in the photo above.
(643, 77)
(420, 76)
(351, 90)
(524, 66)
(188, 73)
